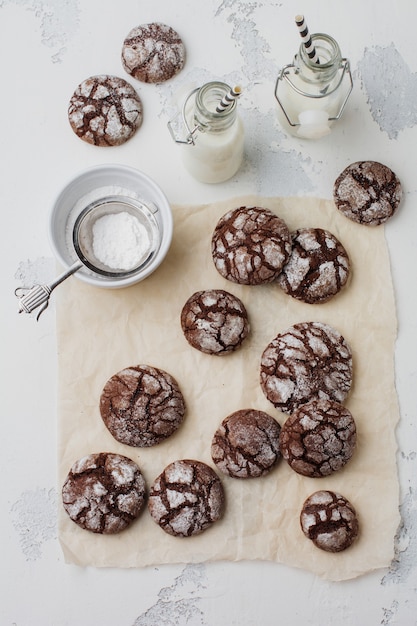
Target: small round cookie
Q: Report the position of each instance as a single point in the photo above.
(142, 405)
(367, 192)
(105, 111)
(318, 267)
(153, 53)
(186, 498)
(246, 444)
(319, 438)
(214, 321)
(307, 361)
(104, 492)
(329, 520)
(250, 245)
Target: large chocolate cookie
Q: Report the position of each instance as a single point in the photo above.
(246, 444)
(153, 53)
(250, 245)
(105, 110)
(329, 520)
(318, 267)
(142, 405)
(214, 321)
(309, 360)
(186, 498)
(104, 492)
(319, 438)
(367, 192)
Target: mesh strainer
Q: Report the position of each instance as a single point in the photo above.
(83, 242)
(83, 236)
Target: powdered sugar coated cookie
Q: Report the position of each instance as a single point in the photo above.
(318, 266)
(186, 498)
(104, 492)
(215, 321)
(153, 53)
(307, 361)
(367, 192)
(105, 110)
(329, 520)
(250, 245)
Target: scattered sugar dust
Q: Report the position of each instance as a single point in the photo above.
(403, 565)
(34, 517)
(255, 49)
(37, 272)
(393, 107)
(58, 21)
(273, 166)
(178, 604)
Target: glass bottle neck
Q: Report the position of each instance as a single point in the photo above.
(207, 99)
(330, 58)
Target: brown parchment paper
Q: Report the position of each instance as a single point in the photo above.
(101, 332)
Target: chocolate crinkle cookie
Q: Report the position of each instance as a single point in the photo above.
(318, 267)
(186, 498)
(329, 520)
(153, 53)
(246, 444)
(104, 492)
(308, 361)
(105, 111)
(215, 321)
(367, 192)
(142, 405)
(250, 245)
(319, 438)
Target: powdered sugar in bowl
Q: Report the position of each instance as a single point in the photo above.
(116, 236)
(116, 221)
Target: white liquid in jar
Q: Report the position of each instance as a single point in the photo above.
(313, 95)
(215, 157)
(311, 113)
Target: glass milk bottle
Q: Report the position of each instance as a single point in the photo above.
(312, 95)
(212, 150)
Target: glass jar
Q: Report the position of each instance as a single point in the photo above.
(312, 96)
(212, 150)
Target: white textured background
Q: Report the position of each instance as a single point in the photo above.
(46, 48)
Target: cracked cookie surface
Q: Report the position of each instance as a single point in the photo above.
(105, 110)
(329, 520)
(104, 492)
(250, 245)
(215, 321)
(367, 192)
(142, 405)
(246, 444)
(153, 53)
(307, 361)
(186, 498)
(318, 266)
(319, 438)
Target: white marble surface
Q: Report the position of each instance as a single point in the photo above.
(46, 48)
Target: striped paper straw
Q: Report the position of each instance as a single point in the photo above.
(306, 39)
(228, 99)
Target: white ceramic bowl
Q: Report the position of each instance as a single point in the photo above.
(98, 183)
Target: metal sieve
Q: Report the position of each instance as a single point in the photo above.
(31, 298)
(83, 239)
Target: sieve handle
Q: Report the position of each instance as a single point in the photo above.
(31, 298)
